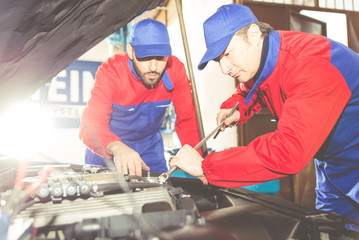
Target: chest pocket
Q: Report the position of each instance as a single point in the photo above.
(138, 122)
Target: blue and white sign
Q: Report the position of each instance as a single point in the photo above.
(68, 94)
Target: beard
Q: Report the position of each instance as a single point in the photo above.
(150, 82)
(149, 79)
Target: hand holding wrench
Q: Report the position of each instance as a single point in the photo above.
(164, 176)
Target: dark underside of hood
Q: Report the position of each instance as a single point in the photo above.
(39, 38)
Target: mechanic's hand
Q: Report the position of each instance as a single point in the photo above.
(228, 121)
(127, 160)
(190, 161)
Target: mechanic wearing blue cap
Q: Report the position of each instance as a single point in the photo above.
(132, 90)
(310, 84)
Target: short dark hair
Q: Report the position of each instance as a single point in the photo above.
(265, 28)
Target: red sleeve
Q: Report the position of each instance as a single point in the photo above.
(94, 127)
(315, 100)
(246, 111)
(186, 121)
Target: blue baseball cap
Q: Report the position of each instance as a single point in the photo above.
(150, 37)
(220, 28)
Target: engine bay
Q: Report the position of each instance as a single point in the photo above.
(92, 202)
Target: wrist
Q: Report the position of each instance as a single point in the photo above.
(113, 147)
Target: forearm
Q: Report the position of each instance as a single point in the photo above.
(96, 136)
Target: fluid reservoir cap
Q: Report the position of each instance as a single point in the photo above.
(71, 189)
(43, 191)
(57, 190)
(84, 189)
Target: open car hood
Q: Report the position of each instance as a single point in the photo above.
(38, 39)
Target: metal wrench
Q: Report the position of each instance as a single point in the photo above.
(164, 176)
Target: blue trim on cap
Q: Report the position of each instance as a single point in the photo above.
(165, 78)
(151, 50)
(274, 43)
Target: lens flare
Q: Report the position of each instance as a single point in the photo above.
(24, 130)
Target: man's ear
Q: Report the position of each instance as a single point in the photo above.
(130, 51)
(254, 34)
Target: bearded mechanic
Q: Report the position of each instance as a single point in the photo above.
(128, 101)
(310, 84)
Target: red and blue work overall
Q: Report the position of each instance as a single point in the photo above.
(121, 108)
(311, 85)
